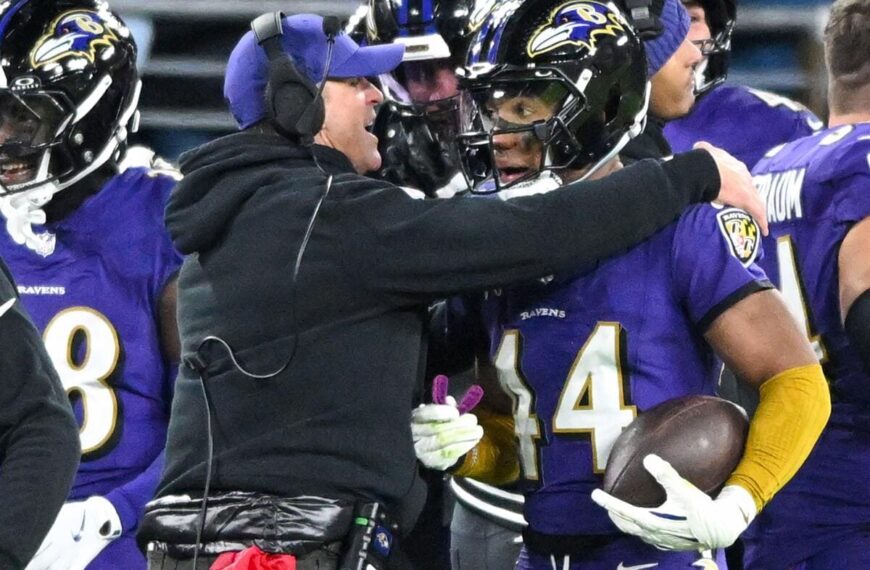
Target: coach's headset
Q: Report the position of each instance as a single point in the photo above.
(296, 108)
(644, 16)
(295, 103)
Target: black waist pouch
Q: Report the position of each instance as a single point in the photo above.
(237, 520)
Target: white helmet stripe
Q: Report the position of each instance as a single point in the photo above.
(93, 97)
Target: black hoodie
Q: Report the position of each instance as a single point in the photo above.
(334, 420)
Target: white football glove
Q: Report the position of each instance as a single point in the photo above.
(442, 435)
(80, 532)
(689, 519)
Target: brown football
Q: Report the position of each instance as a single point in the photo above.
(702, 437)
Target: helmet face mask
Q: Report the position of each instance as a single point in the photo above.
(30, 127)
(69, 90)
(422, 93)
(721, 16)
(528, 116)
(550, 86)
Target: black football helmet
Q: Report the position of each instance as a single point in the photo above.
(418, 125)
(568, 75)
(721, 16)
(435, 34)
(68, 91)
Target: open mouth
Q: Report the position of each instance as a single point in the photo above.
(17, 170)
(508, 174)
(370, 125)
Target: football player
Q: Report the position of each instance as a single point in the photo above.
(416, 126)
(818, 247)
(487, 514)
(746, 122)
(85, 242)
(420, 113)
(671, 61)
(558, 88)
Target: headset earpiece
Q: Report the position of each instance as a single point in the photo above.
(293, 100)
(644, 16)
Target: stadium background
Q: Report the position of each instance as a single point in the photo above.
(184, 46)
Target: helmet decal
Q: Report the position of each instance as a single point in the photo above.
(481, 10)
(575, 23)
(77, 33)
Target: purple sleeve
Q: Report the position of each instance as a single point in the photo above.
(167, 259)
(129, 499)
(167, 262)
(713, 261)
(853, 197)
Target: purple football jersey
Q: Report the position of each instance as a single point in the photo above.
(95, 299)
(745, 122)
(816, 189)
(583, 355)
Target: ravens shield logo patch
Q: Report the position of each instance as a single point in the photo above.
(741, 233)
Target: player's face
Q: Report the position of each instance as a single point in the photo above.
(699, 29)
(25, 123)
(429, 81)
(518, 154)
(673, 94)
(350, 112)
(16, 170)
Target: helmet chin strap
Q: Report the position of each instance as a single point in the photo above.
(24, 210)
(544, 182)
(700, 74)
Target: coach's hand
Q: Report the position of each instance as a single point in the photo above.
(737, 188)
(80, 532)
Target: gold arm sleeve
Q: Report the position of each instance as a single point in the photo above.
(494, 459)
(793, 408)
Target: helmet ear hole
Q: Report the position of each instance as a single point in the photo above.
(611, 108)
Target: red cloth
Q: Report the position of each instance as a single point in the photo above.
(254, 559)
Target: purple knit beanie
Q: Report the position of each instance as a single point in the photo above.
(675, 21)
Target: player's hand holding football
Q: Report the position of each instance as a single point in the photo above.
(80, 532)
(737, 188)
(689, 519)
(443, 432)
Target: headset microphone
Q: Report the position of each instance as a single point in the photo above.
(331, 27)
(311, 120)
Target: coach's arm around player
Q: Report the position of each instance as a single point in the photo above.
(39, 438)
